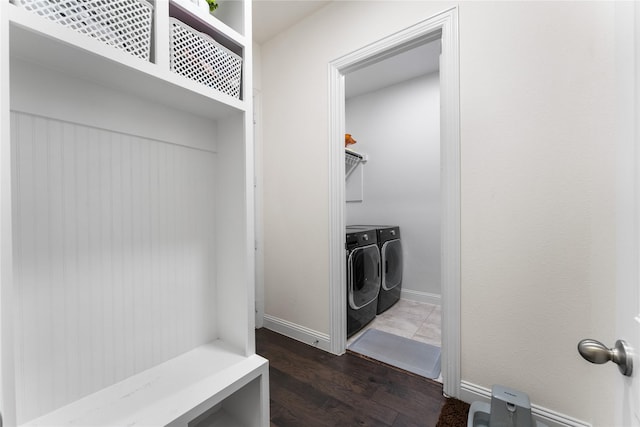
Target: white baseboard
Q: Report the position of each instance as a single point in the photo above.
(420, 296)
(471, 392)
(297, 332)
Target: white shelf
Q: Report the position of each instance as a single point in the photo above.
(192, 15)
(172, 393)
(51, 45)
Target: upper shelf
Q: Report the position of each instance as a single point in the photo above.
(193, 16)
(50, 45)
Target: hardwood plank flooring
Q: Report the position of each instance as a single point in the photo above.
(310, 387)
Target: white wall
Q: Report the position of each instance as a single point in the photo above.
(398, 127)
(538, 175)
(538, 229)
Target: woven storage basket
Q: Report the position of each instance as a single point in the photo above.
(199, 57)
(125, 24)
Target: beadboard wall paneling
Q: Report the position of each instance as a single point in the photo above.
(49, 93)
(114, 257)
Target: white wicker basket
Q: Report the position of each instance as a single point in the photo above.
(199, 57)
(125, 24)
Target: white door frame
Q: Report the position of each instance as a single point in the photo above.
(7, 380)
(445, 26)
(627, 31)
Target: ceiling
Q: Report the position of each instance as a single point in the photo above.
(421, 60)
(271, 17)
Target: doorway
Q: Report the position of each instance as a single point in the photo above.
(441, 27)
(392, 108)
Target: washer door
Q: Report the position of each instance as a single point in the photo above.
(363, 276)
(391, 264)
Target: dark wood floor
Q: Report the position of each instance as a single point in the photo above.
(310, 387)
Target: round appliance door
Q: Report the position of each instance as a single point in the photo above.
(392, 264)
(364, 276)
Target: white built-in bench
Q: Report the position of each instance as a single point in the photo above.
(211, 385)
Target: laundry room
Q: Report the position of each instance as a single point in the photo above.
(392, 170)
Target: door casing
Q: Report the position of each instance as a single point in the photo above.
(627, 45)
(445, 27)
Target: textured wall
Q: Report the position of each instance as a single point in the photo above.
(538, 226)
(537, 196)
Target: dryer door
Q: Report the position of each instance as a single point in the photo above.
(391, 264)
(363, 273)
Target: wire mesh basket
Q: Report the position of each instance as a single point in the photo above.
(199, 57)
(125, 24)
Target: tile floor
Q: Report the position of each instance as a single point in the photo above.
(410, 319)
